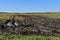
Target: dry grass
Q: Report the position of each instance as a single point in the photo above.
(50, 15)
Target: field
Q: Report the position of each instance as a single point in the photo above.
(26, 37)
(50, 15)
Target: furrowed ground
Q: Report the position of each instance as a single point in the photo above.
(32, 37)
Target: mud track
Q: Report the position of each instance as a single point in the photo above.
(34, 25)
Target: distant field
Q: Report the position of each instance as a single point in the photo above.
(50, 15)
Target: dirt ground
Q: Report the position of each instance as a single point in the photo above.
(32, 25)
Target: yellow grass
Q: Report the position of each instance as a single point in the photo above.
(50, 15)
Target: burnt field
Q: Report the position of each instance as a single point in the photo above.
(30, 25)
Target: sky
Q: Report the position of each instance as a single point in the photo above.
(29, 5)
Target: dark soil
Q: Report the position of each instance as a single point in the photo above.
(33, 25)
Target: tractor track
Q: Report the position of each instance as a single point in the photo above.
(32, 25)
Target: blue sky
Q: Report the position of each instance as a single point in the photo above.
(29, 5)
